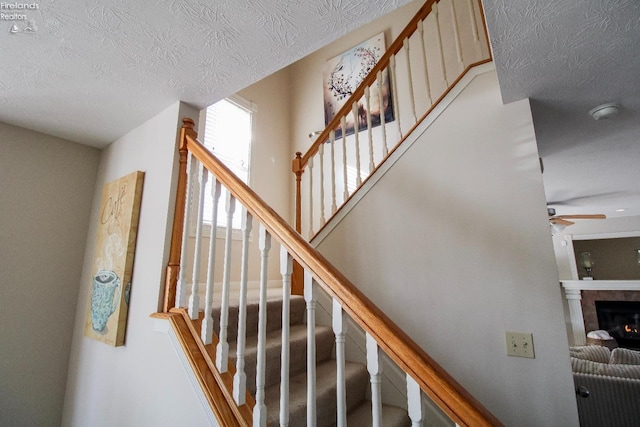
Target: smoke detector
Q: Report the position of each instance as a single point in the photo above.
(604, 111)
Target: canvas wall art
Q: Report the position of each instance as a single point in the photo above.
(344, 73)
(110, 285)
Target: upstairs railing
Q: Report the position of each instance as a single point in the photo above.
(444, 40)
(424, 377)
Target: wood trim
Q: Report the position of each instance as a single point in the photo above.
(297, 279)
(217, 387)
(450, 396)
(162, 316)
(298, 169)
(173, 266)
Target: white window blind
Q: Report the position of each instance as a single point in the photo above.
(228, 134)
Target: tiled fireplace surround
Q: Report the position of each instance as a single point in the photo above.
(582, 294)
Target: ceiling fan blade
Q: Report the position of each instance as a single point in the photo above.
(558, 220)
(589, 216)
(562, 199)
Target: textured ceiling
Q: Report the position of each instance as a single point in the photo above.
(569, 56)
(93, 70)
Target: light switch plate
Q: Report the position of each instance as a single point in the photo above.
(520, 344)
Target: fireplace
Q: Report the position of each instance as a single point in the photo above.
(622, 320)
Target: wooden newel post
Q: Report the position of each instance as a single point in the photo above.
(173, 267)
(297, 278)
(298, 169)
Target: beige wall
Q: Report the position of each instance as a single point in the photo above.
(601, 229)
(270, 178)
(453, 244)
(45, 202)
(612, 259)
(143, 382)
(307, 109)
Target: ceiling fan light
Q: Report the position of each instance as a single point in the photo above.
(604, 111)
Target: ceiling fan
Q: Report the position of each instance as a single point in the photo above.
(564, 219)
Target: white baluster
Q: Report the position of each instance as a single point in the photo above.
(424, 57)
(260, 409)
(311, 298)
(332, 139)
(194, 300)
(394, 93)
(436, 16)
(456, 33)
(374, 366)
(240, 377)
(286, 268)
(321, 156)
(207, 323)
(474, 30)
(474, 24)
(383, 127)
(181, 287)
(310, 166)
(367, 96)
(354, 110)
(415, 405)
(343, 126)
(222, 350)
(340, 330)
(405, 43)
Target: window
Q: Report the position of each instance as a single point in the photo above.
(227, 133)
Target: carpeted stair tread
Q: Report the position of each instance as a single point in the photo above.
(297, 351)
(274, 315)
(357, 381)
(357, 377)
(392, 416)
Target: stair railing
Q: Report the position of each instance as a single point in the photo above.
(433, 52)
(226, 384)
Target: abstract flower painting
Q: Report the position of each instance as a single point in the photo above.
(344, 73)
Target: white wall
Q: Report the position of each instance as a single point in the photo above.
(141, 383)
(453, 244)
(45, 202)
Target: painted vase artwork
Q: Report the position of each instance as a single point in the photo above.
(103, 303)
(117, 230)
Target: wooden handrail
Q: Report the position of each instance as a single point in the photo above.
(450, 396)
(299, 164)
(301, 161)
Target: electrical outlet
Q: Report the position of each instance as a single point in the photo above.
(520, 344)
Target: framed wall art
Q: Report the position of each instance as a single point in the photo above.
(112, 269)
(344, 73)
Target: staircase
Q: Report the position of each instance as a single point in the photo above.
(275, 365)
(356, 375)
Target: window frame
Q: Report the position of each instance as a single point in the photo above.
(221, 230)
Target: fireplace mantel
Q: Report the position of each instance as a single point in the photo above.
(572, 291)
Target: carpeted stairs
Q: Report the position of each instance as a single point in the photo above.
(357, 377)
